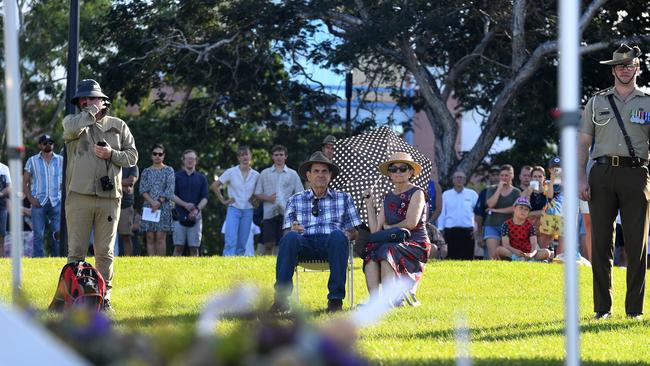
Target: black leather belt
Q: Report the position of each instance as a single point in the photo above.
(625, 161)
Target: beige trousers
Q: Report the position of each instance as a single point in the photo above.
(84, 213)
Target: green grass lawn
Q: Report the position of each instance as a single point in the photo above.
(514, 310)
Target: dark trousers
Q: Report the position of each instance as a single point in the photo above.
(296, 247)
(460, 242)
(628, 190)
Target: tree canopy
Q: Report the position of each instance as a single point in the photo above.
(212, 74)
(497, 58)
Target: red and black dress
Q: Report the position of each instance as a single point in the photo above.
(406, 258)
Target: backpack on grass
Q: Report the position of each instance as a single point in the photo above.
(80, 285)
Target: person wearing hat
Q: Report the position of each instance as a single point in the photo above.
(315, 222)
(327, 146)
(403, 207)
(518, 236)
(616, 121)
(98, 146)
(42, 186)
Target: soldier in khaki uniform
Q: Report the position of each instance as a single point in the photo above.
(618, 179)
(98, 146)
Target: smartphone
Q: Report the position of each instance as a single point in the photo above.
(534, 184)
(102, 143)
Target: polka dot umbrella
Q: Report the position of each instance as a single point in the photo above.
(359, 156)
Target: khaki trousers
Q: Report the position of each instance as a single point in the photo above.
(628, 190)
(86, 212)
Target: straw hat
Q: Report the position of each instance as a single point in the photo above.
(623, 55)
(400, 157)
(318, 157)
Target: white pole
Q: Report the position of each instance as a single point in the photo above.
(568, 99)
(15, 148)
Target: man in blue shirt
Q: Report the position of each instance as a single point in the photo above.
(190, 196)
(315, 222)
(42, 187)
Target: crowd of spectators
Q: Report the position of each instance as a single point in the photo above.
(471, 220)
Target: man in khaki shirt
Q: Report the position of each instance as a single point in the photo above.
(618, 181)
(98, 146)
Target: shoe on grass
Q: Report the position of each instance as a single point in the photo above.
(280, 308)
(602, 315)
(107, 306)
(635, 316)
(334, 305)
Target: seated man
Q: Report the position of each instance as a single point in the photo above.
(519, 237)
(314, 225)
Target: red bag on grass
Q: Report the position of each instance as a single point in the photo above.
(80, 285)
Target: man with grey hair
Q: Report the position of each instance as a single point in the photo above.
(456, 220)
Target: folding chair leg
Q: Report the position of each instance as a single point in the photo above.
(297, 289)
(351, 273)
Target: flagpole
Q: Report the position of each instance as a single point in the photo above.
(348, 103)
(70, 90)
(568, 100)
(15, 148)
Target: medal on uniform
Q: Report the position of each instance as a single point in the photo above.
(638, 116)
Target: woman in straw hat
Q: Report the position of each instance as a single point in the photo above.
(404, 207)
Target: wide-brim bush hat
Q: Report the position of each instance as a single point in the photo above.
(400, 157)
(623, 54)
(88, 88)
(318, 157)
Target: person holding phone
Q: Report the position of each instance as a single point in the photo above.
(536, 195)
(98, 147)
(550, 226)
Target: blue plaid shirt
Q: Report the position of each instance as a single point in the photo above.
(336, 211)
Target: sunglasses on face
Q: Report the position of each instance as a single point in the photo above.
(157, 154)
(401, 168)
(314, 207)
(48, 143)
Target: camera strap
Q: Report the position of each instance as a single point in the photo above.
(628, 142)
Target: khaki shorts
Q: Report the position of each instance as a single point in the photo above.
(126, 221)
(551, 225)
(187, 235)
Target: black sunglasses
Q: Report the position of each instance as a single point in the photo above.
(314, 207)
(157, 154)
(47, 143)
(401, 168)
